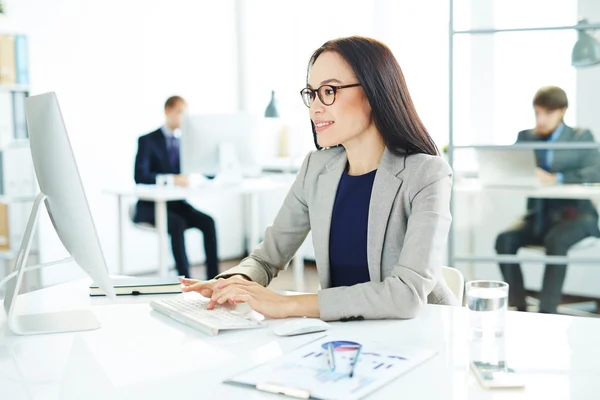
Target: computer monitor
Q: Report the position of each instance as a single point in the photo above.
(62, 193)
(507, 166)
(208, 141)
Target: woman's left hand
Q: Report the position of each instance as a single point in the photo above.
(258, 297)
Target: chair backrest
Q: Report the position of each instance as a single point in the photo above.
(141, 225)
(455, 281)
(587, 242)
(131, 211)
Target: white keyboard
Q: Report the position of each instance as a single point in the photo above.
(193, 312)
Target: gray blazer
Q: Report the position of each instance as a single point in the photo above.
(577, 166)
(409, 220)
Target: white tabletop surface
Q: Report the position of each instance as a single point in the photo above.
(169, 193)
(141, 354)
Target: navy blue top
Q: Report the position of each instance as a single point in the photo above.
(348, 235)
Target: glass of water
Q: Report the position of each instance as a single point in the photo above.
(487, 302)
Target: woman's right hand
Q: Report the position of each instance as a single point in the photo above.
(206, 288)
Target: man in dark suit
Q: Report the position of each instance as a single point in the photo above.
(158, 156)
(556, 224)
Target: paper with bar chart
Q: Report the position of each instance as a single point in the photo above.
(311, 371)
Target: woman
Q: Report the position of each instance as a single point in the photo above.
(378, 205)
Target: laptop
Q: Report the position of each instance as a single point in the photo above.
(507, 167)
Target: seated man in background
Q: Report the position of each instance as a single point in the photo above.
(556, 224)
(158, 156)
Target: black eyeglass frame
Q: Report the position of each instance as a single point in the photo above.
(317, 91)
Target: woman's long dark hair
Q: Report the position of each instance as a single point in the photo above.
(381, 78)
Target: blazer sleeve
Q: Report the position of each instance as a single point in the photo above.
(521, 137)
(282, 239)
(404, 293)
(590, 170)
(143, 173)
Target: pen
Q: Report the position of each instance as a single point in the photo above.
(355, 361)
(331, 357)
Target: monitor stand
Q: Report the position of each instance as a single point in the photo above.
(52, 322)
(230, 170)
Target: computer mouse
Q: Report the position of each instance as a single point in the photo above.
(300, 327)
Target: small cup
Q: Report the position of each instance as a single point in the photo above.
(164, 180)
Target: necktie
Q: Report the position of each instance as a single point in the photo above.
(173, 152)
(544, 157)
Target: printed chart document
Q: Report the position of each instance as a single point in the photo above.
(322, 369)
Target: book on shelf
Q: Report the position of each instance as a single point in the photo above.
(17, 171)
(144, 285)
(2, 190)
(19, 117)
(22, 59)
(4, 231)
(8, 71)
(6, 118)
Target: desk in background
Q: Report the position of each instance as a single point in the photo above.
(141, 354)
(583, 192)
(471, 188)
(251, 188)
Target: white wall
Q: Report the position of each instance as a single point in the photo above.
(588, 79)
(281, 36)
(112, 64)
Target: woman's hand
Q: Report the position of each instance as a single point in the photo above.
(239, 290)
(205, 288)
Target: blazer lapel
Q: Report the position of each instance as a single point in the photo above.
(327, 186)
(559, 157)
(383, 195)
(530, 136)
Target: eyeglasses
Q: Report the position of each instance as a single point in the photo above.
(326, 94)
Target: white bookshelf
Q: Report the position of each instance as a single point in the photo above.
(8, 255)
(14, 88)
(17, 177)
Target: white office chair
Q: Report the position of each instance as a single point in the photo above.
(144, 226)
(141, 225)
(586, 243)
(455, 281)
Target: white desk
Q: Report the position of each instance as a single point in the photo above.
(160, 195)
(141, 354)
(581, 192)
(473, 187)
